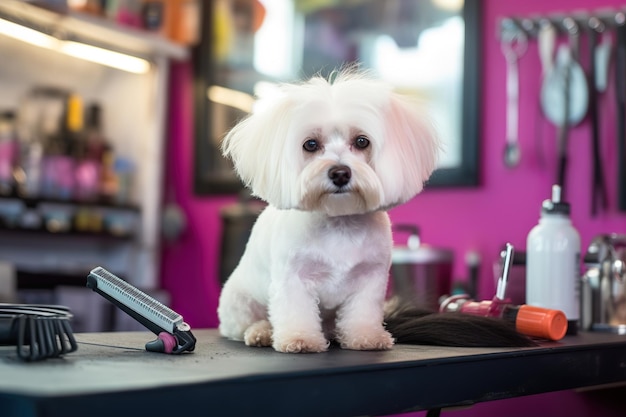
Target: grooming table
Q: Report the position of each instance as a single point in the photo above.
(111, 374)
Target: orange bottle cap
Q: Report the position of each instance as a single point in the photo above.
(541, 322)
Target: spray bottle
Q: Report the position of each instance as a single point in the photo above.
(553, 261)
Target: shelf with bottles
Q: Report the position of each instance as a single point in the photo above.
(59, 174)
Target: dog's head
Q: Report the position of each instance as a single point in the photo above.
(347, 147)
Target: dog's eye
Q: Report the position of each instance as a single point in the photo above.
(311, 145)
(361, 142)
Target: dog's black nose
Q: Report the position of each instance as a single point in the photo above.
(340, 175)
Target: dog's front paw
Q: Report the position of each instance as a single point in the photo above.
(367, 340)
(259, 334)
(299, 343)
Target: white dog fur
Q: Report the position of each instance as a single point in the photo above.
(329, 158)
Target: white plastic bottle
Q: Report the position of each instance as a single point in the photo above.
(553, 261)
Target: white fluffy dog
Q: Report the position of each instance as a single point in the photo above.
(329, 158)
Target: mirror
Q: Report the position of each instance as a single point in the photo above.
(425, 48)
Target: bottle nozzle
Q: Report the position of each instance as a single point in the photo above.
(556, 193)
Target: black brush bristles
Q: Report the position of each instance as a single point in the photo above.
(412, 325)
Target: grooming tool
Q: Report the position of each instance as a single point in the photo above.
(563, 131)
(38, 331)
(514, 45)
(529, 320)
(547, 34)
(546, 42)
(565, 95)
(174, 335)
(597, 79)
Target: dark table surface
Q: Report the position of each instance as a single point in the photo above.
(112, 374)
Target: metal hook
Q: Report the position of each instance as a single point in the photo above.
(571, 26)
(596, 24)
(514, 41)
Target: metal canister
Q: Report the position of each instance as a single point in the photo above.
(419, 272)
(603, 289)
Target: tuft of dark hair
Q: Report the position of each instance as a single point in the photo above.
(410, 324)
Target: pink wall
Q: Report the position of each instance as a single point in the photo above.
(503, 209)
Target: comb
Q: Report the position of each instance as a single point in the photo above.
(174, 335)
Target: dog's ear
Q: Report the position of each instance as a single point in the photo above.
(410, 152)
(257, 145)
